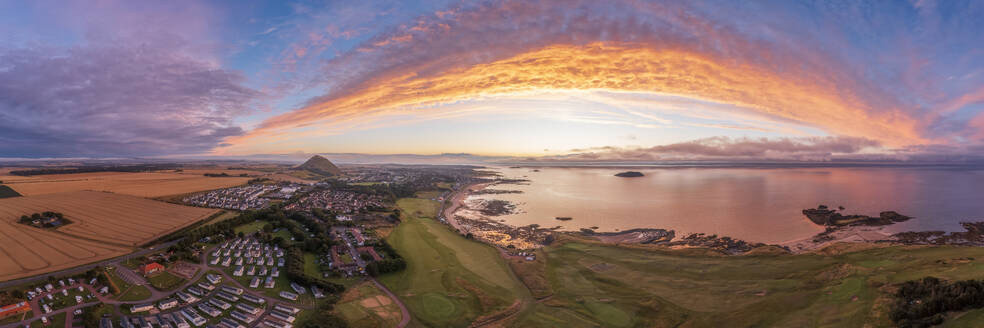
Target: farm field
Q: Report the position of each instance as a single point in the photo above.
(596, 285)
(6, 192)
(105, 225)
(145, 184)
(449, 280)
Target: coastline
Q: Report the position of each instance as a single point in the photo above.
(505, 236)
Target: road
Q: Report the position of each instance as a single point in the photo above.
(403, 308)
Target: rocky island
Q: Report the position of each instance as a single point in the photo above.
(630, 174)
(824, 216)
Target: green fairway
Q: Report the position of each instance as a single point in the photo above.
(449, 280)
(595, 285)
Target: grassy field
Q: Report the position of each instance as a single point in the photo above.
(449, 280)
(6, 192)
(250, 227)
(165, 281)
(594, 285)
(365, 305)
(135, 293)
(311, 266)
(57, 320)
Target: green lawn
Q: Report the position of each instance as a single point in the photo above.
(250, 227)
(165, 281)
(449, 280)
(135, 293)
(311, 266)
(57, 320)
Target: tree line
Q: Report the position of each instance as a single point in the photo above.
(925, 302)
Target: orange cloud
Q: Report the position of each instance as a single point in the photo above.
(618, 67)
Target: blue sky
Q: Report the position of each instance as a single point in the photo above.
(560, 79)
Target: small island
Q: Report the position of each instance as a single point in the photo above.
(629, 174)
(822, 215)
(564, 218)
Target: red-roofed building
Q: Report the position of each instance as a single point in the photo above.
(14, 309)
(152, 268)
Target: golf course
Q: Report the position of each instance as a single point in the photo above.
(451, 281)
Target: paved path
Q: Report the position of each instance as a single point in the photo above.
(403, 308)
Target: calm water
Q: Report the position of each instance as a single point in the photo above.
(753, 204)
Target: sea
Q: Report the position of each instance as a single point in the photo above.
(756, 204)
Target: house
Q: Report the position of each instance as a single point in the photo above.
(255, 282)
(205, 286)
(233, 290)
(280, 262)
(78, 299)
(215, 261)
(253, 299)
(286, 309)
(317, 292)
(213, 278)
(219, 303)
(275, 272)
(263, 271)
(195, 319)
(167, 304)
(269, 283)
(186, 298)
(298, 288)
(196, 291)
(229, 323)
(241, 316)
(282, 316)
(252, 270)
(152, 268)
(248, 308)
(104, 323)
(239, 271)
(288, 295)
(227, 261)
(274, 324)
(213, 312)
(228, 297)
(14, 309)
(141, 307)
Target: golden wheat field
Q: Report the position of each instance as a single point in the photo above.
(137, 184)
(103, 225)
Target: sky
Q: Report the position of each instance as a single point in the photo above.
(549, 81)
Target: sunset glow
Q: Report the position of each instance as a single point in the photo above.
(528, 79)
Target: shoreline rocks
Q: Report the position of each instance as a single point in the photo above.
(822, 215)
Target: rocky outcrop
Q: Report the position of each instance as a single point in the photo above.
(822, 215)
